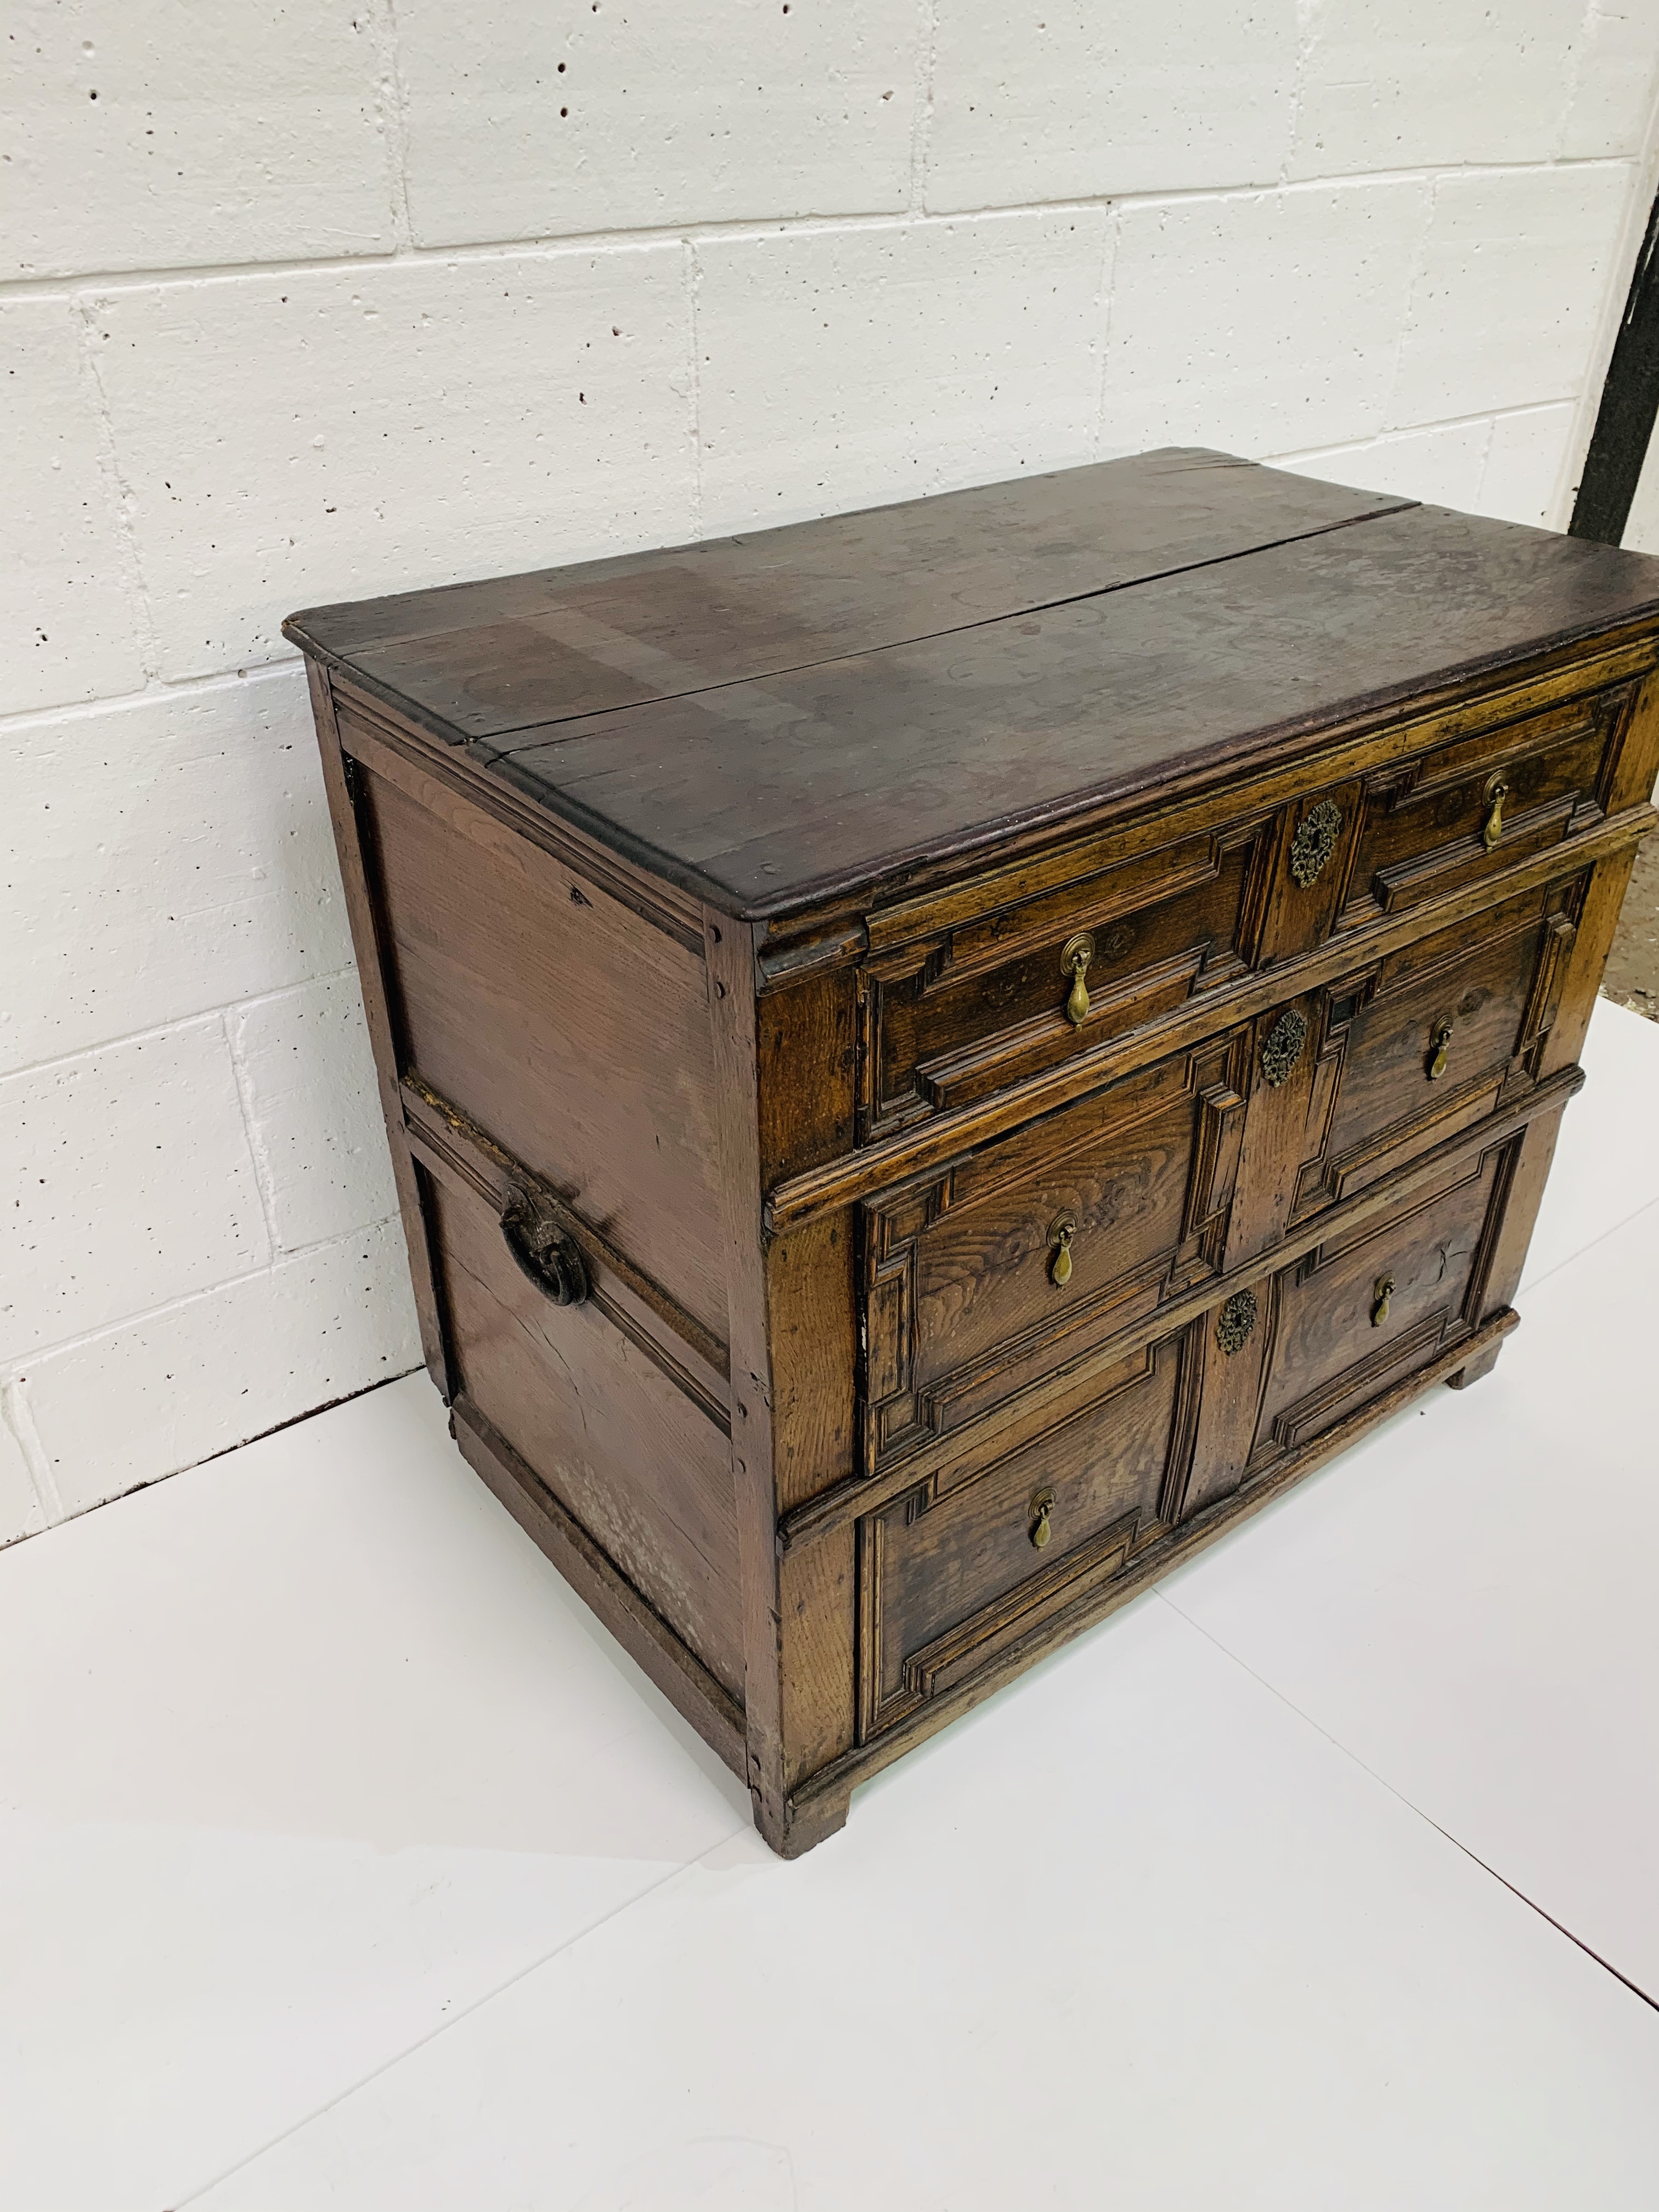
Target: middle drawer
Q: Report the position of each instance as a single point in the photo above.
(984, 1276)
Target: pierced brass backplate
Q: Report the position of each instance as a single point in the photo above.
(1074, 960)
(1237, 1320)
(1281, 1048)
(1314, 842)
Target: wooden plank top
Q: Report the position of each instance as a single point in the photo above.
(809, 712)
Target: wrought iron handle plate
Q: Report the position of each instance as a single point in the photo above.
(1074, 959)
(1497, 791)
(545, 1256)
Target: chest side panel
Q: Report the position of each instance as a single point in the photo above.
(572, 1030)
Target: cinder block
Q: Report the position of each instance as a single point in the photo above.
(1523, 466)
(171, 1388)
(20, 1507)
(1258, 322)
(325, 435)
(552, 122)
(131, 1184)
(313, 1111)
(1441, 467)
(844, 367)
(169, 136)
(1042, 102)
(1404, 84)
(1611, 82)
(1505, 310)
(66, 625)
(160, 857)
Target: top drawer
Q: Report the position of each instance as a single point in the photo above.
(983, 1002)
(1431, 824)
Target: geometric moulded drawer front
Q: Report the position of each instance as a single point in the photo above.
(1435, 1037)
(1356, 1314)
(1465, 809)
(986, 1276)
(990, 1546)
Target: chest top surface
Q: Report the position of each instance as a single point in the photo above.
(806, 713)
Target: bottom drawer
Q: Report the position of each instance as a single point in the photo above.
(996, 1540)
(1359, 1313)
(1007, 1531)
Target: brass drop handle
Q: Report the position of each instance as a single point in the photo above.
(1059, 1268)
(1043, 1506)
(1497, 792)
(1074, 960)
(1439, 1041)
(1380, 1297)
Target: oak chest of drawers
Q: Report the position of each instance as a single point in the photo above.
(935, 1059)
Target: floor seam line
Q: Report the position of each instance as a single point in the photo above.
(443, 2027)
(1400, 1796)
(1550, 1274)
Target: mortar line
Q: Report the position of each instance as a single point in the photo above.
(119, 498)
(258, 1155)
(764, 226)
(16, 1416)
(159, 1030)
(394, 106)
(921, 103)
(693, 287)
(17, 1366)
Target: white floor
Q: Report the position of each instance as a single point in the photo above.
(346, 1862)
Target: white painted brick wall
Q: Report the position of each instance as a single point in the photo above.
(309, 302)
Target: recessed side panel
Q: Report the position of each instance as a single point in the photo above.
(570, 1029)
(627, 1452)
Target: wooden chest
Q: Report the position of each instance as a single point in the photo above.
(936, 1059)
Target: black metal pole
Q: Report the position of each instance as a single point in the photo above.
(1629, 400)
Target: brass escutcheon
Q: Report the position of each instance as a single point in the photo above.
(1059, 1237)
(1043, 1506)
(1074, 960)
(1497, 791)
(1380, 1296)
(1281, 1048)
(1439, 1039)
(1314, 842)
(1236, 1321)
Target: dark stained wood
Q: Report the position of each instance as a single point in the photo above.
(476, 661)
(839, 776)
(751, 992)
(635, 1460)
(643, 1634)
(572, 1031)
(361, 914)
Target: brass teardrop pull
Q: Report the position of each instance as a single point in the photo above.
(1496, 792)
(1439, 1039)
(1043, 1506)
(1059, 1268)
(1074, 960)
(1380, 1297)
